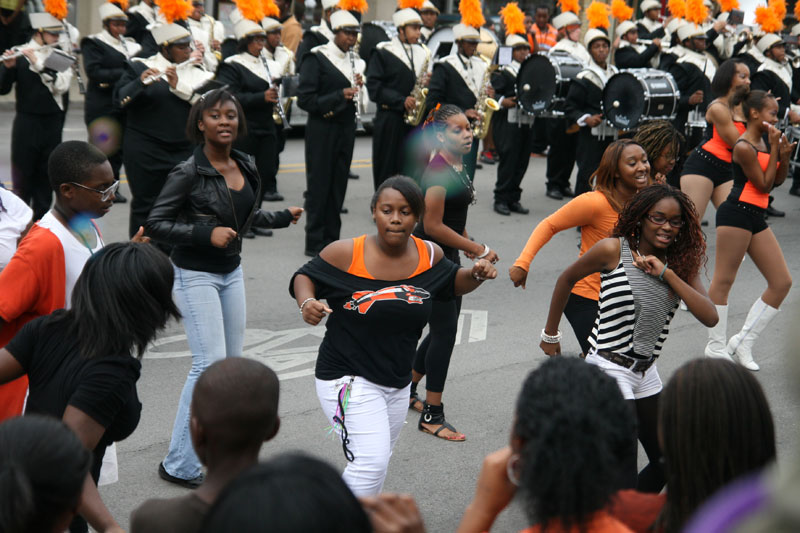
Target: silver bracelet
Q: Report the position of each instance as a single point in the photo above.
(551, 339)
(486, 251)
(302, 305)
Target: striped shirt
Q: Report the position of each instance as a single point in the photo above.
(635, 310)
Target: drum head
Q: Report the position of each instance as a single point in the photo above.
(536, 84)
(623, 100)
(373, 33)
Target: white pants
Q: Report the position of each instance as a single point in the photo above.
(373, 419)
(633, 385)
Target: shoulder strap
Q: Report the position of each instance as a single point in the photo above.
(357, 266)
(425, 251)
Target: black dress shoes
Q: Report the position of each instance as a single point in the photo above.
(273, 196)
(516, 207)
(344, 210)
(119, 198)
(567, 192)
(794, 191)
(187, 483)
(777, 213)
(352, 176)
(502, 209)
(555, 194)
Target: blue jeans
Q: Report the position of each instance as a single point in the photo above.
(213, 309)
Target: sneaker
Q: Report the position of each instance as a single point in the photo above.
(187, 483)
(486, 157)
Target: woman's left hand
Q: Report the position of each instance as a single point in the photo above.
(483, 270)
(649, 264)
(296, 213)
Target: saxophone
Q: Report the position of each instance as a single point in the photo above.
(484, 105)
(419, 94)
(211, 21)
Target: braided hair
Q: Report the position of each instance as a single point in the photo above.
(437, 117)
(687, 253)
(655, 136)
(578, 434)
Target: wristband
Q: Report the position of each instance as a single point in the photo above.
(661, 276)
(551, 339)
(486, 251)
(302, 305)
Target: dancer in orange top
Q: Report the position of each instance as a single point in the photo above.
(624, 170)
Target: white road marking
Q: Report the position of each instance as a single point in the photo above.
(292, 352)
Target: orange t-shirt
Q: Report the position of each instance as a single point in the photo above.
(601, 522)
(596, 218)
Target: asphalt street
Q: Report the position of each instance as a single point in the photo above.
(497, 347)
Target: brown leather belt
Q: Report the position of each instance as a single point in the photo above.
(631, 363)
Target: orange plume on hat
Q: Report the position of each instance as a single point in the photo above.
(621, 11)
(779, 6)
(414, 4)
(597, 14)
(174, 9)
(123, 4)
(768, 19)
(354, 5)
(513, 19)
(696, 11)
(251, 9)
(57, 8)
(569, 5)
(728, 5)
(677, 8)
(270, 8)
(471, 13)
(797, 10)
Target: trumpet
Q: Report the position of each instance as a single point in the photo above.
(356, 99)
(149, 80)
(19, 51)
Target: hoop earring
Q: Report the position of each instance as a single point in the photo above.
(512, 465)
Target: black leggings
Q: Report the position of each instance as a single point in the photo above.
(433, 354)
(581, 313)
(651, 477)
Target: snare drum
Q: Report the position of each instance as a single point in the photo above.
(633, 96)
(793, 135)
(543, 82)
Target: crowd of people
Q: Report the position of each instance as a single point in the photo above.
(197, 127)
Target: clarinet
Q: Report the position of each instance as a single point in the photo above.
(356, 99)
(278, 105)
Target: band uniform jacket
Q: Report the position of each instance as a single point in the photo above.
(248, 80)
(104, 60)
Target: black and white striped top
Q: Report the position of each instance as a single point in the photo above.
(635, 310)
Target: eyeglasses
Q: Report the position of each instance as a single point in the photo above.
(105, 194)
(659, 220)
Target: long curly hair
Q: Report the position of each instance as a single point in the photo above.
(687, 253)
(656, 135)
(577, 435)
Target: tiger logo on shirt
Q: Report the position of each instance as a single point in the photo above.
(362, 301)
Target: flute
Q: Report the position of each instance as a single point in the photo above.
(19, 51)
(163, 75)
(356, 99)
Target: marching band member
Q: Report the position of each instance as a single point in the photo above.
(105, 56)
(512, 128)
(693, 72)
(317, 35)
(630, 54)
(650, 25)
(458, 79)
(395, 68)
(140, 17)
(291, 29)
(583, 107)
(429, 14)
(156, 94)
(202, 29)
(40, 101)
(561, 156)
(276, 51)
(328, 89)
(250, 77)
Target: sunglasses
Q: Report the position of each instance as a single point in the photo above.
(105, 194)
(659, 220)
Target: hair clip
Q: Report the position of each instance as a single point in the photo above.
(437, 106)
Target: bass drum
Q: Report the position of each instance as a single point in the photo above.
(443, 38)
(543, 82)
(373, 33)
(633, 96)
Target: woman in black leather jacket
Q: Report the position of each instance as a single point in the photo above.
(206, 205)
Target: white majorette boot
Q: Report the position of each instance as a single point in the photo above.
(741, 344)
(717, 336)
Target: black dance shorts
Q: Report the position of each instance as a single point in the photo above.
(708, 165)
(742, 215)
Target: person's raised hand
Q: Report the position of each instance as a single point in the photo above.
(296, 213)
(483, 270)
(393, 513)
(140, 237)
